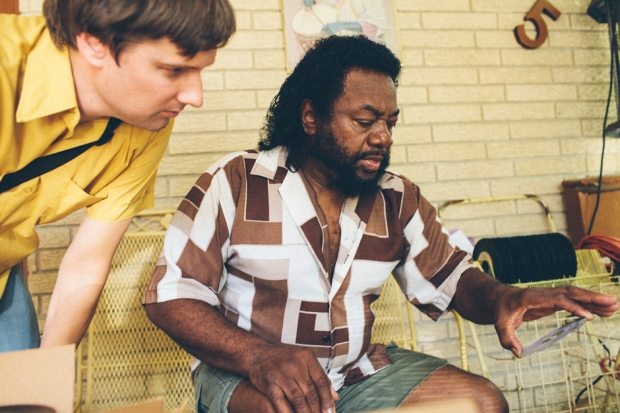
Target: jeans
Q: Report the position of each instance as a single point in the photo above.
(214, 388)
(19, 329)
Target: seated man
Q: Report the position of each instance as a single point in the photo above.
(274, 257)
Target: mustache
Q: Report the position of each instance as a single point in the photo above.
(385, 154)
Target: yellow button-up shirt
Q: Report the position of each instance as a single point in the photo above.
(40, 116)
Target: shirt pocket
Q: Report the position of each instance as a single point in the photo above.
(12, 203)
(69, 199)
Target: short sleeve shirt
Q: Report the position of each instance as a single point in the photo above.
(40, 116)
(249, 239)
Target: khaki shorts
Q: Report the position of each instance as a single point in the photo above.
(385, 389)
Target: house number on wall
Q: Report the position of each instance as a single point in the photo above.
(535, 16)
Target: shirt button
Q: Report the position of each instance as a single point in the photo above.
(326, 338)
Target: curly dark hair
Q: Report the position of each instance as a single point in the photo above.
(319, 77)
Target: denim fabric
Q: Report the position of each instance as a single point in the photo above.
(213, 388)
(19, 329)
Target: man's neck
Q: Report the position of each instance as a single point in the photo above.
(322, 181)
(85, 91)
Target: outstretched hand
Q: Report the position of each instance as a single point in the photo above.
(293, 380)
(516, 305)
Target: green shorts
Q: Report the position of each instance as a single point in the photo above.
(386, 389)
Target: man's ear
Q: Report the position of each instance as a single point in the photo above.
(92, 49)
(308, 118)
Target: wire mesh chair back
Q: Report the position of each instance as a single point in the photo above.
(393, 318)
(562, 378)
(127, 358)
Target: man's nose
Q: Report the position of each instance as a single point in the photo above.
(191, 91)
(381, 136)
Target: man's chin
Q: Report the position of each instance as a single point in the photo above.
(154, 125)
(365, 184)
(370, 175)
(367, 174)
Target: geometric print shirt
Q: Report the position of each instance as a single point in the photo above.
(248, 239)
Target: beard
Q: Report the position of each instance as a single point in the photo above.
(351, 180)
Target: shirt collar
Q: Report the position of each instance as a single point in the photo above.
(48, 86)
(271, 164)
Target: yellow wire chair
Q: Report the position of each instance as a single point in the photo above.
(393, 318)
(124, 358)
(590, 273)
(459, 320)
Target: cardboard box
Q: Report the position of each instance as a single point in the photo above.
(40, 377)
(464, 405)
(42, 381)
(580, 198)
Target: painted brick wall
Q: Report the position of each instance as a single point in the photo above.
(481, 116)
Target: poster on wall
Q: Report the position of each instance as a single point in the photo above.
(306, 21)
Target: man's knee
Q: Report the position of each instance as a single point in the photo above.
(489, 397)
(450, 382)
(247, 399)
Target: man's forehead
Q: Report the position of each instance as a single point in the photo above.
(165, 52)
(364, 89)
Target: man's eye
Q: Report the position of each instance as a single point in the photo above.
(365, 123)
(175, 71)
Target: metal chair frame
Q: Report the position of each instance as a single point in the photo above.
(587, 263)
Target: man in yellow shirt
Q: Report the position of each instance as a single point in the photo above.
(62, 78)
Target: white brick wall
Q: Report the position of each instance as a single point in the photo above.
(480, 116)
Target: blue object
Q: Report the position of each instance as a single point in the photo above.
(19, 329)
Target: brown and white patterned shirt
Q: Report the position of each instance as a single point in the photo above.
(247, 239)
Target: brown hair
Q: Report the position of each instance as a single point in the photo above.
(193, 25)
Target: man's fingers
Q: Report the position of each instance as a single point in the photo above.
(303, 396)
(279, 400)
(583, 303)
(593, 301)
(508, 339)
(512, 343)
(335, 394)
(293, 380)
(312, 394)
(324, 388)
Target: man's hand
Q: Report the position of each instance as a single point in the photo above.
(292, 380)
(484, 300)
(517, 305)
(289, 376)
